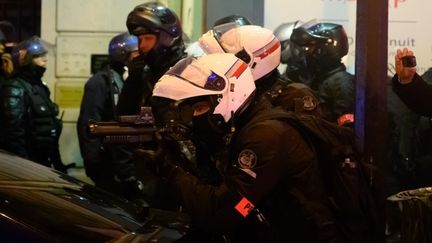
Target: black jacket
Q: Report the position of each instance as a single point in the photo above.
(336, 91)
(296, 97)
(28, 123)
(267, 162)
(417, 95)
(415, 140)
(98, 104)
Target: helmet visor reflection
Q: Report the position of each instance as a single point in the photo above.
(190, 70)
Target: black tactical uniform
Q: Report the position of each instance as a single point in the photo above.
(290, 96)
(272, 189)
(317, 49)
(29, 127)
(296, 97)
(144, 72)
(336, 91)
(266, 176)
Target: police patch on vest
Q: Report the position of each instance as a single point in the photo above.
(309, 103)
(247, 159)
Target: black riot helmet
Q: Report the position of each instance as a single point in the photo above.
(25, 51)
(321, 46)
(120, 47)
(238, 19)
(155, 18)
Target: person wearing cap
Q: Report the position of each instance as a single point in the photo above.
(29, 126)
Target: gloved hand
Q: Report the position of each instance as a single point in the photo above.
(136, 66)
(160, 162)
(130, 188)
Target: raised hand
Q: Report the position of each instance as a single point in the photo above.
(404, 73)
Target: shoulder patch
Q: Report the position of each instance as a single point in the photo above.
(309, 103)
(247, 159)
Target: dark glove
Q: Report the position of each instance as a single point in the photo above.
(130, 188)
(136, 66)
(160, 162)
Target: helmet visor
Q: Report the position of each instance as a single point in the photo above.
(194, 72)
(305, 34)
(230, 42)
(174, 118)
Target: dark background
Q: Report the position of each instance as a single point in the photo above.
(20, 19)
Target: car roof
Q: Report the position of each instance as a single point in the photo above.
(62, 208)
(14, 168)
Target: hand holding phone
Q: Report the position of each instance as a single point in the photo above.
(409, 61)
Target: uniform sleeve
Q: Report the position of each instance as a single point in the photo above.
(417, 95)
(260, 162)
(341, 94)
(92, 106)
(134, 91)
(13, 114)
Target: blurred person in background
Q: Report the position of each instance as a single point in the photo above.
(29, 126)
(6, 65)
(101, 93)
(283, 33)
(316, 60)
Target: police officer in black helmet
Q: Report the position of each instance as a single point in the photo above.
(316, 53)
(160, 45)
(29, 127)
(98, 104)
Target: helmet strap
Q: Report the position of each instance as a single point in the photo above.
(232, 130)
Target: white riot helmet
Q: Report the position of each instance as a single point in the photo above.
(253, 44)
(222, 79)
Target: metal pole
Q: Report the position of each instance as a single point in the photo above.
(371, 96)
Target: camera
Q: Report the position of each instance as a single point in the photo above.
(409, 61)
